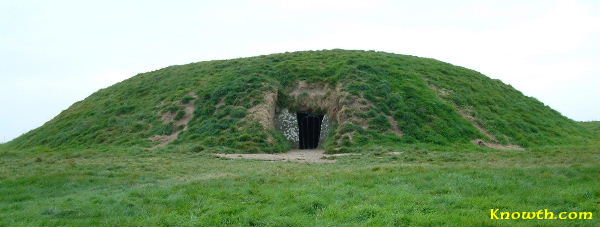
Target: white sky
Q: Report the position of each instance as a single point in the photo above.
(54, 53)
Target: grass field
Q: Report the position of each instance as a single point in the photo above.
(175, 187)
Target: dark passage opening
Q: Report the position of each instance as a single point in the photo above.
(309, 126)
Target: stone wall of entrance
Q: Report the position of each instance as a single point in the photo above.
(287, 123)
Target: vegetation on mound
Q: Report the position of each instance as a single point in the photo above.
(424, 96)
(592, 126)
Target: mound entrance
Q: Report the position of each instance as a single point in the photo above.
(309, 130)
(304, 130)
(303, 113)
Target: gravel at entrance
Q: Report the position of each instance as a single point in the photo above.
(311, 156)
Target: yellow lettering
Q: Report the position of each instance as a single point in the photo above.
(493, 214)
(539, 214)
(573, 215)
(548, 214)
(561, 215)
(528, 215)
(585, 215)
(517, 216)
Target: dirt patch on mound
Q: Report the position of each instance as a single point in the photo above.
(264, 113)
(465, 113)
(318, 98)
(180, 125)
(494, 142)
(473, 121)
(395, 127)
(482, 143)
(307, 156)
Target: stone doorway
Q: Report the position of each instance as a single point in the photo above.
(309, 130)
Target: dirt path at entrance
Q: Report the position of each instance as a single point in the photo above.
(309, 156)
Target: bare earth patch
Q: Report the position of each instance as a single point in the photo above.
(465, 114)
(307, 156)
(170, 117)
(482, 143)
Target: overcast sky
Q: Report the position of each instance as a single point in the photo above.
(54, 53)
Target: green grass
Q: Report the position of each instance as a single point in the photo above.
(128, 113)
(89, 165)
(592, 126)
(425, 186)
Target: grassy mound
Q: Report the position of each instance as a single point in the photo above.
(432, 102)
(592, 126)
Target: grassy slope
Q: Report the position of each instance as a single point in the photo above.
(127, 114)
(505, 112)
(180, 188)
(592, 126)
